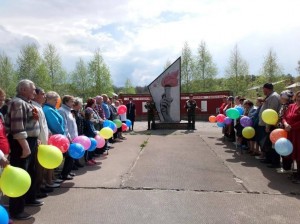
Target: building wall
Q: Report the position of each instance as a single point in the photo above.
(208, 101)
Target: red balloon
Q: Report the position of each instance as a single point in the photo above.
(124, 127)
(277, 134)
(220, 118)
(122, 109)
(60, 141)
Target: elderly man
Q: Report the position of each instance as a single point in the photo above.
(272, 101)
(22, 124)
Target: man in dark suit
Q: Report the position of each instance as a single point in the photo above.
(131, 112)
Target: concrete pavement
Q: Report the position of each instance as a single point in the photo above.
(169, 176)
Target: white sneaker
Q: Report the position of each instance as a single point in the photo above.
(54, 185)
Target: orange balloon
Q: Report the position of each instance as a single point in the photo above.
(57, 105)
(277, 134)
(212, 119)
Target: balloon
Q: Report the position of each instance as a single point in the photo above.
(49, 156)
(76, 150)
(109, 124)
(124, 127)
(100, 141)
(246, 121)
(93, 145)
(248, 132)
(115, 129)
(118, 122)
(60, 141)
(220, 118)
(212, 119)
(240, 110)
(283, 147)
(227, 120)
(277, 134)
(128, 123)
(4, 219)
(83, 140)
(122, 109)
(58, 103)
(106, 133)
(269, 116)
(15, 181)
(233, 113)
(220, 124)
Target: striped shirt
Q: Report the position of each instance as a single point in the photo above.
(22, 119)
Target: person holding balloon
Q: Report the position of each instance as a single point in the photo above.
(55, 123)
(272, 102)
(291, 122)
(23, 129)
(228, 130)
(286, 98)
(71, 132)
(91, 132)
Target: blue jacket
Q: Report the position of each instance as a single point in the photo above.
(106, 110)
(55, 121)
(89, 129)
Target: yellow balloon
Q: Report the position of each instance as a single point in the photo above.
(106, 133)
(270, 116)
(15, 181)
(49, 156)
(248, 132)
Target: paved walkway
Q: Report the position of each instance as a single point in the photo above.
(168, 176)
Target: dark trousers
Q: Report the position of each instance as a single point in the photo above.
(191, 121)
(16, 205)
(151, 122)
(68, 165)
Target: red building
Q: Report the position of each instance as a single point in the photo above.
(209, 102)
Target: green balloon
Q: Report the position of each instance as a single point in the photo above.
(15, 181)
(233, 113)
(118, 122)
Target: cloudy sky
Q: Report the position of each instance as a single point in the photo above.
(137, 37)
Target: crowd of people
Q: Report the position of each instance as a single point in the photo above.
(32, 116)
(287, 105)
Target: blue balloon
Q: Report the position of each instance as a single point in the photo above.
(240, 110)
(4, 219)
(283, 147)
(109, 124)
(76, 150)
(128, 123)
(93, 145)
(220, 124)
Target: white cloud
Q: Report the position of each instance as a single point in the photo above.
(137, 37)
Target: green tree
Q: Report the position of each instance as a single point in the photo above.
(298, 68)
(205, 69)
(30, 65)
(271, 70)
(81, 81)
(187, 66)
(54, 67)
(128, 88)
(237, 73)
(7, 75)
(100, 75)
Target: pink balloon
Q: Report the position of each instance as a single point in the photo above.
(122, 109)
(83, 140)
(100, 141)
(60, 141)
(220, 118)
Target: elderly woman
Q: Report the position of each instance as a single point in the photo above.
(71, 132)
(291, 122)
(55, 125)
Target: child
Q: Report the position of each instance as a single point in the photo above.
(89, 131)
